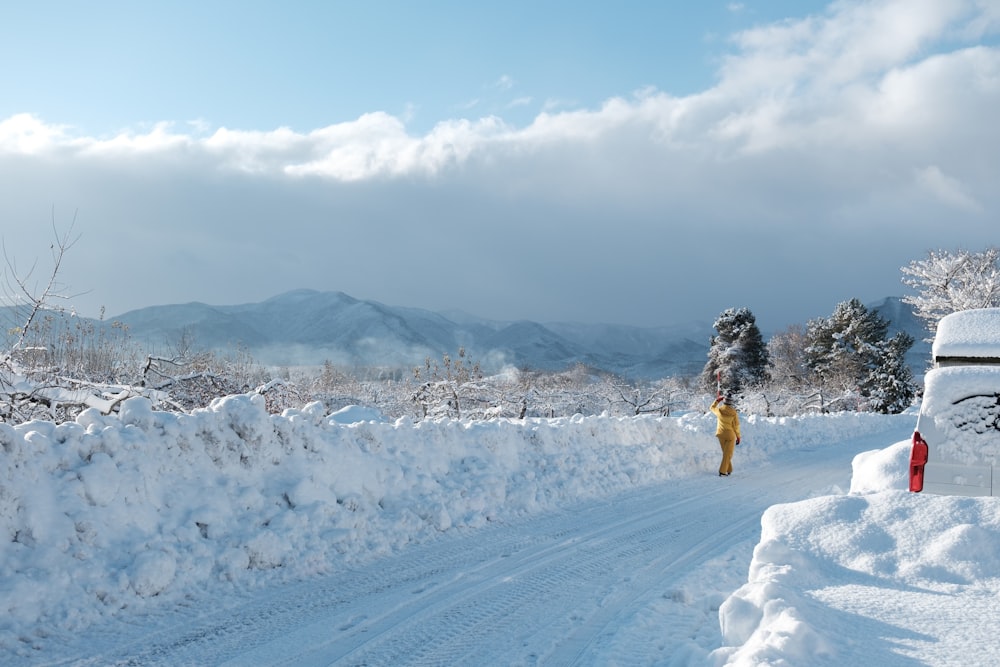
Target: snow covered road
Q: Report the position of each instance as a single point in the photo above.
(634, 579)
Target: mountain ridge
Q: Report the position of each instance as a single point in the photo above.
(307, 327)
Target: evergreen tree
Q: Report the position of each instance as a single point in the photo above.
(738, 352)
(840, 347)
(890, 385)
(848, 352)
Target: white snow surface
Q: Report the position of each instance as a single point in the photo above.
(231, 536)
(968, 333)
(960, 413)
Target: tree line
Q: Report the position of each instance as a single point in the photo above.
(54, 365)
(841, 362)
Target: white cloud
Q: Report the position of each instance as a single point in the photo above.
(850, 42)
(985, 21)
(26, 134)
(258, 152)
(856, 70)
(160, 139)
(816, 126)
(947, 189)
(505, 82)
(519, 102)
(553, 104)
(776, 95)
(200, 126)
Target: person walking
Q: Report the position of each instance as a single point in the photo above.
(727, 430)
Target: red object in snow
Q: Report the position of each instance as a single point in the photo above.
(918, 458)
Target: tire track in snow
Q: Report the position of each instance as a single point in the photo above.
(614, 554)
(561, 588)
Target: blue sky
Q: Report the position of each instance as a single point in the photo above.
(638, 163)
(105, 66)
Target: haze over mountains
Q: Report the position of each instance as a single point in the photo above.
(307, 327)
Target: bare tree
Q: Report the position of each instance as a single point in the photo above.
(444, 388)
(30, 384)
(57, 364)
(19, 291)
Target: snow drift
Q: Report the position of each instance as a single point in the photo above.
(114, 512)
(118, 514)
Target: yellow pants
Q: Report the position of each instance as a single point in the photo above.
(728, 443)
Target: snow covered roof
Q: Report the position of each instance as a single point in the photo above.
(968, 334)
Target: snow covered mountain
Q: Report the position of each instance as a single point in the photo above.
(307, 327)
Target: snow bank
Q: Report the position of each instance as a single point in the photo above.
(882, 469)
(139, 509)
(968, 333)
(870, 579)
(880, 576)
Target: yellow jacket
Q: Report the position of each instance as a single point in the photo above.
(726, 417)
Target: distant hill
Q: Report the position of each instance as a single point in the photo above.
(901, 318)
(307, 327)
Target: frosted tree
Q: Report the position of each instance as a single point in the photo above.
(55, 364)
(737, 354)
(447, 389)
(642, 397)
(791, 389)
(947, 282)
(890, 382)
(788, 357)
(853, 363)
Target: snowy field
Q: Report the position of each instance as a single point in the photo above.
(115, 527)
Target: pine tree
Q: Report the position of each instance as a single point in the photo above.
(738, 352)
(841, 346)
(849, 353)
(890, 384)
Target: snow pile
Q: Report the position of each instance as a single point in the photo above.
(882, 469)
(880, 576)
(878, 579)
(121, 514)
(968, 333)
(128, 511)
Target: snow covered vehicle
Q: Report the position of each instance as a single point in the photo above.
(956, 443)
